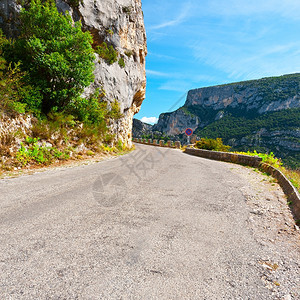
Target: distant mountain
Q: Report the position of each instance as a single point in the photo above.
(140, 128)
(259, 114)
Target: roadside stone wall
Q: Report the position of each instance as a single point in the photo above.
(247, 160)
(161, 143)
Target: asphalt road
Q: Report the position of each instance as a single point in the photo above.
(153, 224)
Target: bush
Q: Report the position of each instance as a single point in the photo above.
(212, 144)
(57, 55)
(268, 158)
(121, 62)
(92, 110)
(35, 154)
(108, 53)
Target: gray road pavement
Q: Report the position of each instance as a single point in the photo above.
(153, 224)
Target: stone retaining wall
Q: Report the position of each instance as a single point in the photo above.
(290, 191)
(247, 160)
(157, 143)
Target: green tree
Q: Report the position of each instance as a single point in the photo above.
(11, 83)
(56, 54)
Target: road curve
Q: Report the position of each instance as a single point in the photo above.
(153, 224)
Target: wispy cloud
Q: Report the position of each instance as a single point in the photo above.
(286, 8)
(176, 85)
(256, 62)
(176, 21)
(162, 56)
(149, 120)
(157, 73)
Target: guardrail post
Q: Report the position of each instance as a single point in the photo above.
(150, 141)
(169, 144)
(161, 143)
(155, 142)
(177, 145)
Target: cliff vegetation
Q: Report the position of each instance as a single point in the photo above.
(44, 71)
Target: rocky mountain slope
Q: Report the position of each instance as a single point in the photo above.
(140, 128)
(118, 23)
(259, 114)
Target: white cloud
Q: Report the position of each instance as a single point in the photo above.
(176, 85)
(157, 73)
(178, 20)
(254, 62)
(150, 120)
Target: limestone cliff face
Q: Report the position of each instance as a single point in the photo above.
(119, 23)
(246, 96)
(207, 105)
(177, 122)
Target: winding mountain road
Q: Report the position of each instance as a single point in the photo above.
(153, 224)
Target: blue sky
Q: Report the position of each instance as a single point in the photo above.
(198, 43)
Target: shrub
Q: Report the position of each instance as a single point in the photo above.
(212, 144)
(55, 53)
(92, 110)
(109, 31)
(115, 111)
(108, 53)
(121, 62)
(33, 153)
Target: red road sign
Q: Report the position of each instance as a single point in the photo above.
(189, 132)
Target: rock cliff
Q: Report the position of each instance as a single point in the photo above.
(119, 23)
(140, 128)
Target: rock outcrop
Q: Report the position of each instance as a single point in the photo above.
(119, 23)
(176, 122)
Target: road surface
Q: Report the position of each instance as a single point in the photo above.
(153, 224)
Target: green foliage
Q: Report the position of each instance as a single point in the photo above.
(212, 144)
(239, 123)
(90, 110)
(115, 111)
(121, 62)
(55, 53)
(268, 158)
(95, 110)
(16, 95)
(33, 153)
(109, 31)
(108, 53)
